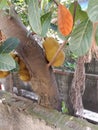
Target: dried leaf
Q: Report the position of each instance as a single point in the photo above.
(65, 20)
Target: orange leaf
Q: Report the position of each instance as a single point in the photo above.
(65, 20)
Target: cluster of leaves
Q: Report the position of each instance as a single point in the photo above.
(80, 39)
(3, 4)
(21, 8)
(40, 14)
(40, 17)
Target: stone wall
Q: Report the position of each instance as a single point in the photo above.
(90, 97)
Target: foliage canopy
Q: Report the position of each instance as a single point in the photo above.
(41, 16)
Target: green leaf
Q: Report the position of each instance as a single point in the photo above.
(96, 36)
(43, 3)
(80, 40)
(45, 23)
(34, 16)
(26, 1)
(64, 108)
(92, 10)
(80, 15)
(3, 3)
(46, 5)
(7, 63)
(9, 45)
(16, 69)
(62, 37)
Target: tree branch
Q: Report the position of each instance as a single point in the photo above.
(74, 12)
(42, 79)
(56, 2)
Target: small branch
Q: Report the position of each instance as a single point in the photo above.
(56, 2)
(74, 13)
(56, 54)
(93, 47)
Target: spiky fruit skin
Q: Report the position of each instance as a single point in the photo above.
(3, 74)
(23, 71)
(24, 75)
(22, 65)
(51, 46)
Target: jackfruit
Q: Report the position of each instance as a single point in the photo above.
(22, 65)
(20, 62)
(24, 75)
(23, 71)
(3, 74)
(51, 46)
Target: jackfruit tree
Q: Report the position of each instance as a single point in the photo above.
(38, 31)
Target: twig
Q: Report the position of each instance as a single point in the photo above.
(74, 12)
(56, 2)
(93, 47)
(56, 54)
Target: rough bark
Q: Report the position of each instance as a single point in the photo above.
(19, 114)
(78, 86)
(42, 78)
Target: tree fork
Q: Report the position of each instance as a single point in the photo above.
(42, 78)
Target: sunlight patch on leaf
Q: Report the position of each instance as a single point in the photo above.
(81, 38)
(34, 16)
(92, 10)
(9, 45)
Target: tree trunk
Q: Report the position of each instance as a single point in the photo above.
(23, 114)
(78, 86)
(42, 77)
